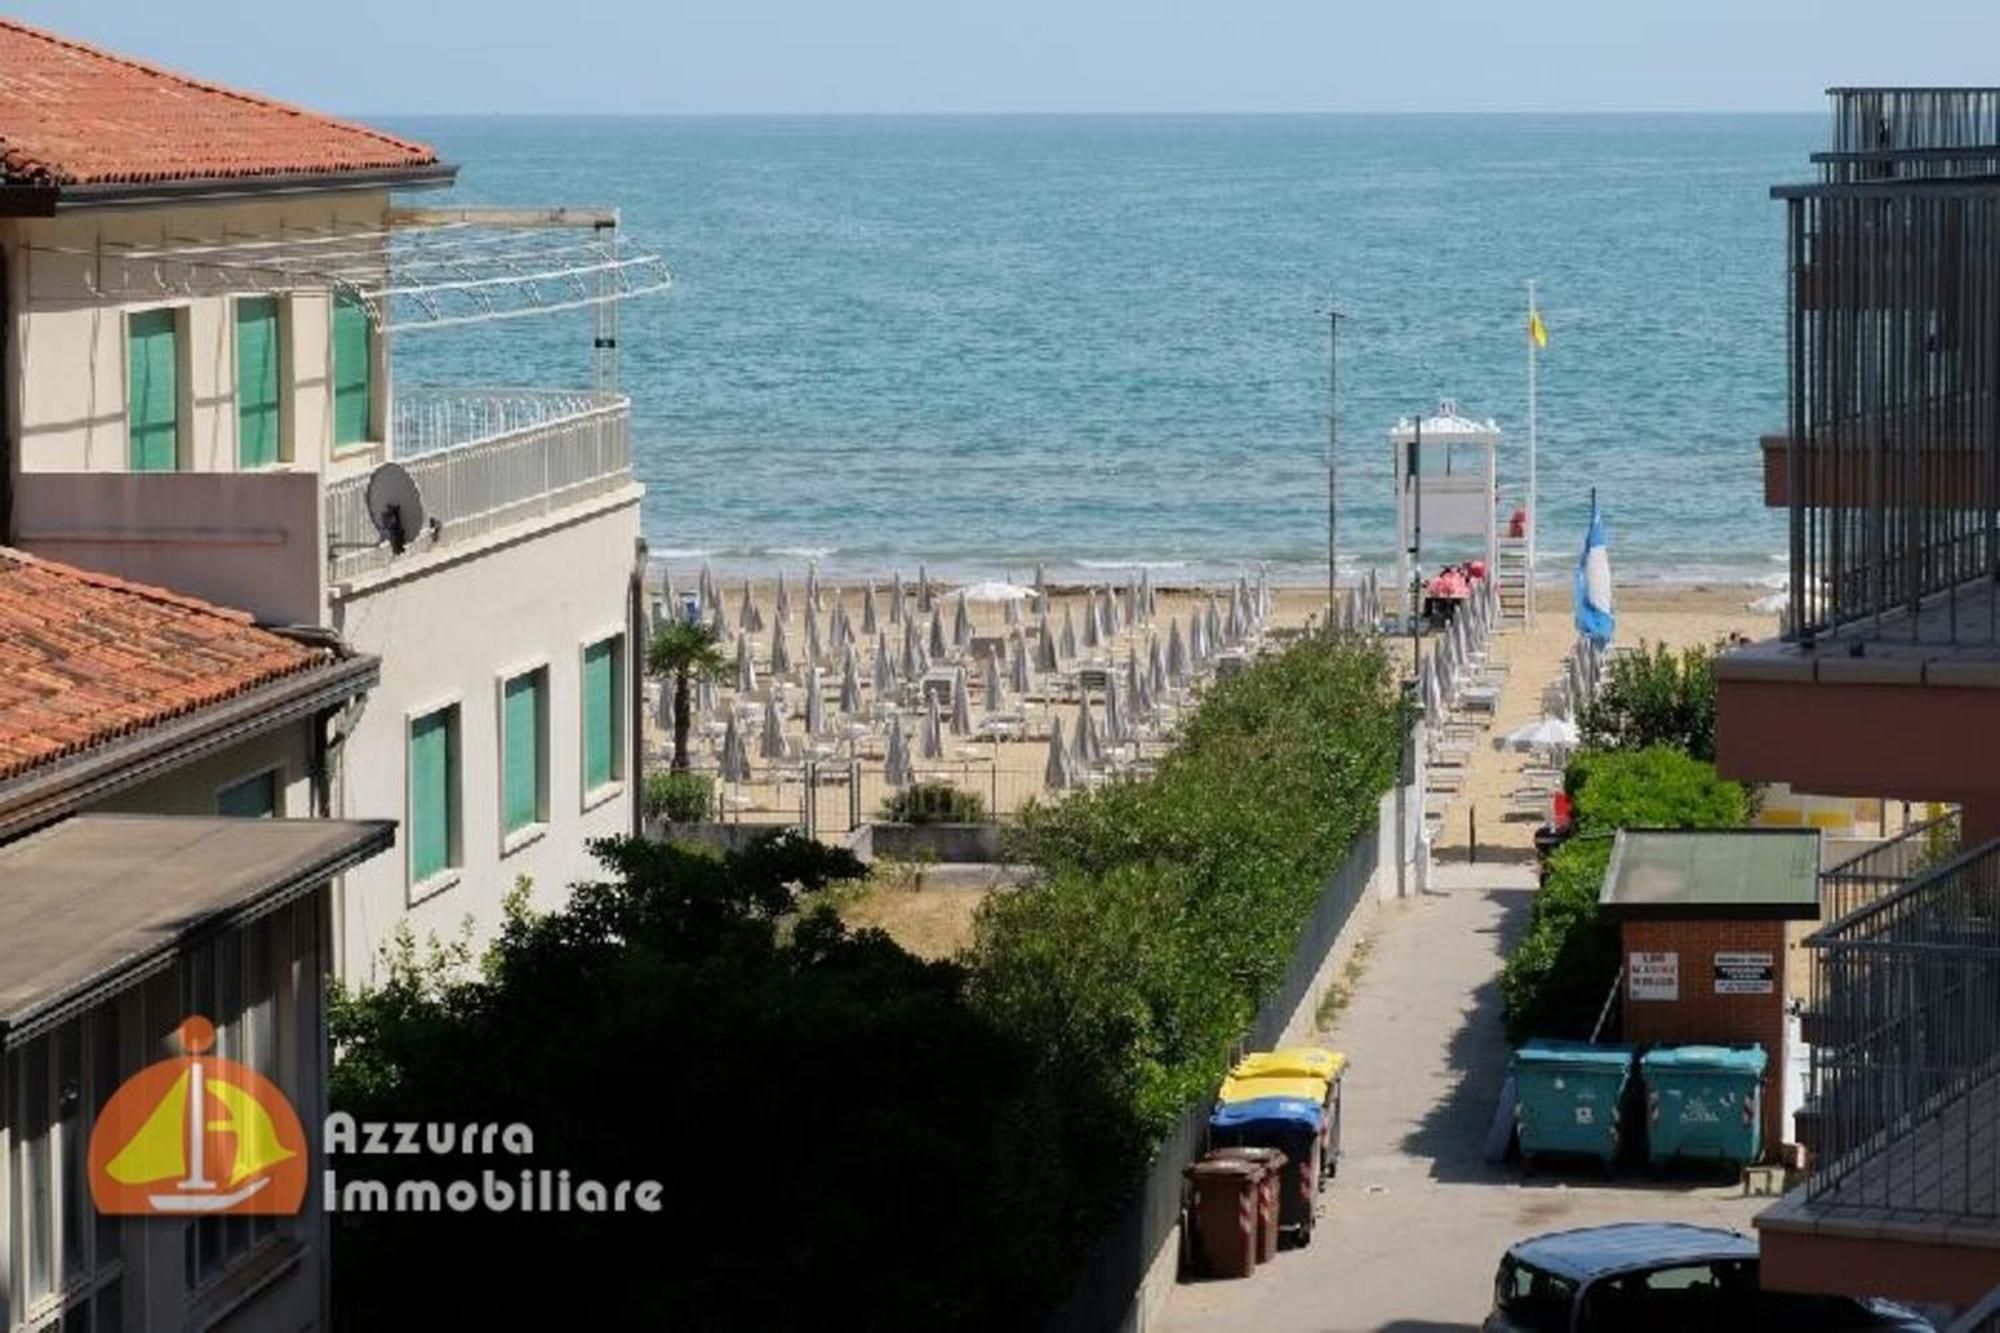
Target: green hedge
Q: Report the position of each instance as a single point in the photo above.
(1555, 981)
(1167, 909)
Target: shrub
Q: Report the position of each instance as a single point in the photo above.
(683, 798)
(1555, 981)
(934, 803)
(1655, 697)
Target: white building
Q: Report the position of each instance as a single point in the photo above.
(201, 292)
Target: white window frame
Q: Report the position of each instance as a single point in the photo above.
(416, 891)
(545, 776)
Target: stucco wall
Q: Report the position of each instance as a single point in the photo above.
(450, 627)
(68, 380)
(191, 789)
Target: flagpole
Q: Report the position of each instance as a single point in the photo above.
(1534, 511)
(1332, 457)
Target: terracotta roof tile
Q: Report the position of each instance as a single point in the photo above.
(86, 658)
(73, 114)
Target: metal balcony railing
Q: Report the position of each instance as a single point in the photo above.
(1882, 133)
(485, 459)
(1848, 886)
(1907, 1087)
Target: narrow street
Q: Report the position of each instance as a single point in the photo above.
(1410, 1231)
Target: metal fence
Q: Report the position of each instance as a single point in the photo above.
(1126, 1251)
(1906, 1074)
(483, 459)
(1861, 879)
(1897, 133)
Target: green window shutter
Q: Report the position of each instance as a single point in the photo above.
(431, 762)
(522, 712)
(353, 370)
(600, 714)
(253, 798)
(257, 383)
(153, 404)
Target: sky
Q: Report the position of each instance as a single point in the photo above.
(875, 56)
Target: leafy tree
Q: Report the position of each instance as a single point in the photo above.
(1655, 697)
(684, 651)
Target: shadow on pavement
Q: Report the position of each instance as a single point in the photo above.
(1425, 1326)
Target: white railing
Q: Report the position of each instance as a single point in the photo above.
(484, 459)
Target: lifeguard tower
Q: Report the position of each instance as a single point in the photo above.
(1447, 494)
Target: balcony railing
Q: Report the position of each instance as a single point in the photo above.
(1848, 886)
(485, 459)
(1907, 1097)
(1895, 133)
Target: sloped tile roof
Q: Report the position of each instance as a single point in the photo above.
(86, 658)
(73, 114)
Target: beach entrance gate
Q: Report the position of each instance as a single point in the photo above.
(1446, 487)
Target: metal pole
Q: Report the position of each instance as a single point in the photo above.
(1534, 513)
(1417, 543)
(1333, 319)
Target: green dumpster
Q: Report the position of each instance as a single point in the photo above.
(1566, 1097)
(1705, 1103)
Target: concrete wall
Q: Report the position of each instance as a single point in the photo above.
(249, 541)
(69, 343)
(450, 626)
(191, 789)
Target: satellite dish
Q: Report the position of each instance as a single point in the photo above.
(395, 504)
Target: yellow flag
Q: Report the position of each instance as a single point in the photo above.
(1537, 330)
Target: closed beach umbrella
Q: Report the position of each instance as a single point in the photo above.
(868, 621)
(961, 624)
(705, 588)
(1197, 647)
(995, 698)
(1132, 602)
(781, 652)
(1114, 716)
(735, 761)
(885, 669)
(933, 727)
(910, 665)
(923, 664)
(1212, 636)
(1146, 607)
(1156, 666)
(923, 588)
(1088, 747)
(1068, 643)
(1177, 655)
(813, 653)
(896, 599)
(961, 702)
(1045, 649)
(1093, 632)
(1107, 614)
(771, 744)
(1144, 704)
(784, 599)
(937, 648)
(1017, 665)
(1133, 679)
(896, 762)
(843, 632)
(815, 705)
(718, 621)
(850, 686)
(748, 615)
(1012, 607)
(746, 670)
(1059, 773)
(812, 585)
(704, 696)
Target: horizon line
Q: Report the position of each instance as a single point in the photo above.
(1075, 114)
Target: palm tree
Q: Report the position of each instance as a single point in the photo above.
(684, 650)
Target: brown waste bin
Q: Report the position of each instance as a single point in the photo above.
(1223, 1207)
(1272, 1160)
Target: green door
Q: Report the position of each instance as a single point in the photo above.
(153, 394)
(430, 830)
(522, 714)
(257, 384)
(600, 714)
(353, 371)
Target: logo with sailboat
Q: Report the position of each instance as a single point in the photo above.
(197, 1135)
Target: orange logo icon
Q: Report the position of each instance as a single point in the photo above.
(197, 1134)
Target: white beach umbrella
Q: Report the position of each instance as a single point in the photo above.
(896, 599)
(923, 664)
(850, 686)
(813, 653)
(1114, 716)
(1107, 614)
(1046, 657)
(815, 704)
(896, 770)
(933, 736)
(995, 692)
(1543, 733)
(747, 614)
(961, 703)
(1177, 655)
(718, 621)
(812, 585)
(843, 629)
(910, 667)
(1059, 773)
(1012, 612)
(1093, 635)
(746, 669)
(937, 644)
(869, 623)
(923, 588)
(771, 741)
(1144, 701)
(1262, 606)
(1197, 646)
(705, 587)
(1156, 666)
(1067, 645)
(1041, 589)
(781, 652)
(1017, 666)
(784, 600)
(1131, 594)
(1088, 747)
(1146, 595)
(961, 625)
(735, 761)
(1212, 639)
(885, 668)
(1133, 678)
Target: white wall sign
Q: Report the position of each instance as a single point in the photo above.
(1744, 974)
(1653, 976)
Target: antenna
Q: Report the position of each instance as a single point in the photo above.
(395, 505)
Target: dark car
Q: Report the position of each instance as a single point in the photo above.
(1663, 1277)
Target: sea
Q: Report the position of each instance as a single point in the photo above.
(1100, 343)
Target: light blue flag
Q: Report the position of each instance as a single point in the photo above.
(1592, 597)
